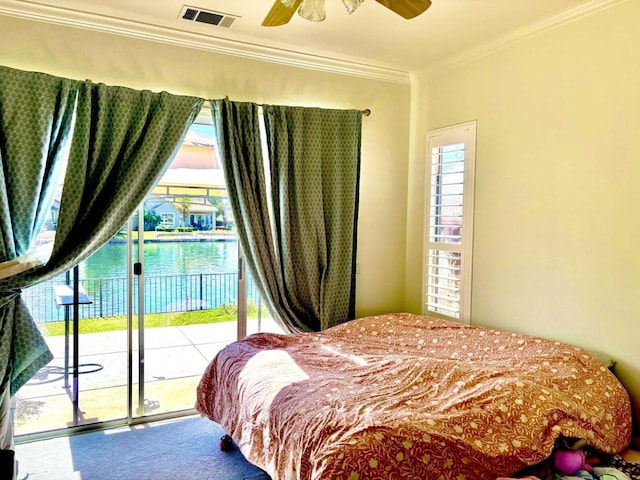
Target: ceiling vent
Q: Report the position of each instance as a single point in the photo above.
(219, 19)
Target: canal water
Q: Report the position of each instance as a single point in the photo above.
(179, 276)
(165, 258)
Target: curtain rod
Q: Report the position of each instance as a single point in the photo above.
(365, 113)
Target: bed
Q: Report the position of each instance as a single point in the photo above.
(404, 396)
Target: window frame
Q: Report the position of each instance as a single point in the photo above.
(168, 220)
(461, 133)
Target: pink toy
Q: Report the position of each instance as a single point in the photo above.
(569, 462)
(530, 477)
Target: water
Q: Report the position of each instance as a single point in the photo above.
(179, 276)
(164, 258)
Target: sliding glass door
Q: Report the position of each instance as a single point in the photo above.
(85, 383)
(179, 286)
(155, 305)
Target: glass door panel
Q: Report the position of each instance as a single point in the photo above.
(189, 275)
(259, 318)
(85, 383)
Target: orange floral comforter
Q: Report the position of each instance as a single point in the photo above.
(404, 396)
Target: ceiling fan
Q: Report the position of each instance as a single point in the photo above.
(282, 10)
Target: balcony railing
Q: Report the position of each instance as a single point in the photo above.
(162, 294)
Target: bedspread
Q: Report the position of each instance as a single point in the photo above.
(404, 396)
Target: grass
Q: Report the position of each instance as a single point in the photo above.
(151, 320)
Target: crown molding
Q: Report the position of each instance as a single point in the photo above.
(517, 36)
(154, 33)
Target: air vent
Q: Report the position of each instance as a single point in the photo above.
(219, 19)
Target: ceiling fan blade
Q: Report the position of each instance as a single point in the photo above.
(406, 8)
(280, 14)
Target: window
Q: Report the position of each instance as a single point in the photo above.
(167, 220)
(449, 221)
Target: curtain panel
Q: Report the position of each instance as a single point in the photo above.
(314, 157)
(296, 215)
(36, 112)
(237, 128)
(122, 142)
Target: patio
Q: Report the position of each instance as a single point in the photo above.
(174, 360)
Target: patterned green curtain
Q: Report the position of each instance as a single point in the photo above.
(35, 120)
(237, 128)
(314, 157)
(299, 231)
(123, 140)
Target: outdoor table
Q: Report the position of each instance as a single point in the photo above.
(65, 297)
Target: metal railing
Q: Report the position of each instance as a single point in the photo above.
(162, 294)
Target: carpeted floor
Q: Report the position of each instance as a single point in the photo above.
(184, 448)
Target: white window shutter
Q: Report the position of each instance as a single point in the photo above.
(449, 221)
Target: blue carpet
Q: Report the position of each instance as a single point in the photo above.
(184, 448)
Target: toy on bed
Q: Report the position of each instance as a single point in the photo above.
(570, 458)
(570, 462)
(405, 396)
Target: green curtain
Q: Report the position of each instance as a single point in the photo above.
(237, 128)
(123, 140)
(298, 227)
(314, 157)
(35, 120)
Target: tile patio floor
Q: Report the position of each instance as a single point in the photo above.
(175, 358)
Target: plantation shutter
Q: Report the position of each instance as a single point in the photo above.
(449, 222)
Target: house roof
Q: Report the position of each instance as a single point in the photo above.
(196, 164)
(200, 208)
(193, 177)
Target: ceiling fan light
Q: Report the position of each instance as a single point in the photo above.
(312, 10)
(352, 5)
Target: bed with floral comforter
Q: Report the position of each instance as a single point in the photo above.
(404, 396)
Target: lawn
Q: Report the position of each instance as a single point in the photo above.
(151, 320)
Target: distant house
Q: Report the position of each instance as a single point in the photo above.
(196, 212)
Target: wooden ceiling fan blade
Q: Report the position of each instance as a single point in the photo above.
(406, 8)
(280, 14)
